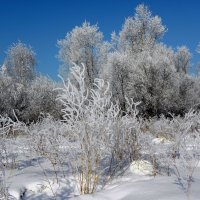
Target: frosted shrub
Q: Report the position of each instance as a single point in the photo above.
(47, 139)
(156, 139)
(90, 116)
(8, 153)
(186, 148)
(8, 129)
(175, 146)
(124, 145)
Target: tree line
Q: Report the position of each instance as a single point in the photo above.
(135, 62)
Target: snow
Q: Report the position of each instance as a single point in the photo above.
(141, 167)
(161, 140)
(30, 183)
(16, 193)
(144, 188)
(33, 178)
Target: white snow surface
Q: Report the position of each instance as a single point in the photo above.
(132, 185)
(141, 167)
(136, 187)
(29, 182)
(32, 183)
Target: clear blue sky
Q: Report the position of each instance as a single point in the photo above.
(40, 23)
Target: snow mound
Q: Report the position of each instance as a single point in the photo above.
(35, 187)
(141, 167)
(16, 193)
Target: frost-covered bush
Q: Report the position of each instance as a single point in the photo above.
(175, 146)
(47, 139)
(186, 148)
(125, 143)
(8, 151)
(101, 140)
(8, 131)
(90, 116)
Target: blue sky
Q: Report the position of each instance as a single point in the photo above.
(40, 23)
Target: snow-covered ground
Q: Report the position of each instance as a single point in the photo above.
(30, 183)
(35, 180)
(132, 186)
(33, 177)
